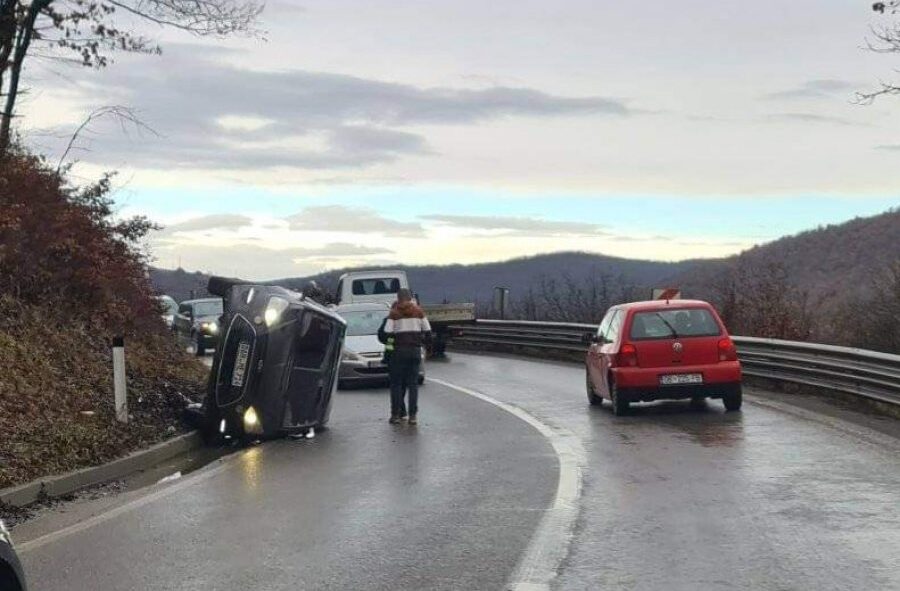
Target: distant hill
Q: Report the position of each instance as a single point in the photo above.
(471, 283)
(831, 263)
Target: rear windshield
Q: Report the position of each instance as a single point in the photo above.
(386, 285)
(363, 322)
(667, 324)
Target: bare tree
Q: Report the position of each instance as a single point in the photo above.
(563, 298)
(86, 31)
(884, 39)
(125, 116)
(758, 299)
(872, 321)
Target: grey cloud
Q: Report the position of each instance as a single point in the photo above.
(337, 218)
(209, 222)
(815, 118)
(812, 89)
(320, 120)
(517, 225)
(251, 261)
(338, 250)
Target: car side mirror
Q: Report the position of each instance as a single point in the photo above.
(590, 338)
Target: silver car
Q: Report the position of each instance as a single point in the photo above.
(363, 358)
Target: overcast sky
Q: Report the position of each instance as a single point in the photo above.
(379, 131)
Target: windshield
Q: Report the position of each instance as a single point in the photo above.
(210, 308)
(665, 324)
(363, 322)
(376, 286)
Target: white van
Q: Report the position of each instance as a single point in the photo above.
(381, 287)
(364, 287)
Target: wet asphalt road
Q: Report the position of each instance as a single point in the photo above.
(449, 504)
(772, 498)
(673, 498)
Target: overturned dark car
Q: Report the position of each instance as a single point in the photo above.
(275, 369)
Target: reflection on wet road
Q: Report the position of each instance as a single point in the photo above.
(673, 497)
(677, 497)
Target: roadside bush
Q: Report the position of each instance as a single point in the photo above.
(71, 278)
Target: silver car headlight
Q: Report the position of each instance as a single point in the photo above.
(274, 309)
(4, 534)
(210, 327)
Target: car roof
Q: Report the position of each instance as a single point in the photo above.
(376, 274)
(363, 307)
(653, 305)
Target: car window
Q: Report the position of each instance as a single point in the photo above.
(363, 322)
(615, 326)
(666, 324)
(376, 286)
(184, 309)
(210, 308)
(604, 324)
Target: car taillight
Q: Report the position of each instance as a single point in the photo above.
(627, 356)
(727, 352)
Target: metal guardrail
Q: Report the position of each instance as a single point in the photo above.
(864, 373)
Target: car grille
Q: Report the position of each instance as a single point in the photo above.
(372, 355)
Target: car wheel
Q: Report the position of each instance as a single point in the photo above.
(591, 395)
(733, 399)
(198, 345)
(620, 404)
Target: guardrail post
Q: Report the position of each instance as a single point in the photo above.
(119, 383)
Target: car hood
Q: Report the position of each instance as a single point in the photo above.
(367, 343)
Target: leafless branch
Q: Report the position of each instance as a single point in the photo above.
(124, 115)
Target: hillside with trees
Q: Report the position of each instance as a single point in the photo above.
(800, 287)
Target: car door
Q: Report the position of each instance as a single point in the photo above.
(609, 347)
(593, 358)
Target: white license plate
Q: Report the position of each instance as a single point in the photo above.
(681, 378)
(240, 365)
(375, 364)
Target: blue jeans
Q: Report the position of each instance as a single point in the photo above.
(404, 372)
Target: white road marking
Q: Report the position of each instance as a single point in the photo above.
(549, 545)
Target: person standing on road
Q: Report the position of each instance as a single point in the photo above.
(411, 330)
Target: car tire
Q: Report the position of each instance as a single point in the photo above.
(199, 351)
(733, 399)
(620, 404)
(592, 396)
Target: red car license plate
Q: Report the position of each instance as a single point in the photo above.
(680, 379)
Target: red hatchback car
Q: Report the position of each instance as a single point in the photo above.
(662, 350)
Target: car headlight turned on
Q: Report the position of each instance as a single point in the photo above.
(274, 309)
(251, 421)
(210, 327)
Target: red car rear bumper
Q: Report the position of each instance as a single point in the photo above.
(638, 383)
